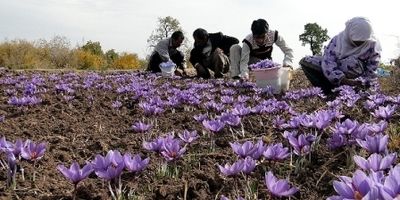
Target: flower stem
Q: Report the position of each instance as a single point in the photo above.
(34, 171)
(111, 190)
(74, 193)
(22, 174)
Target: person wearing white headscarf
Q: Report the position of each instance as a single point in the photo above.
(353, 53)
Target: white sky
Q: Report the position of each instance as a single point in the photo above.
(125, 25)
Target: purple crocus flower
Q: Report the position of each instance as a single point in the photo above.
(230, 119)
(157, 144)
(141, 127)
(301, 144)
(135, 164)
(75, 174)
(385, 112)
(346, 127)
(151, 109)
(249, 164)
(391, 187)
(374, 144)
(307, 121)
(369, 105)
(379, 127)
(5, 146)
(395, 99)
(360, 186)
(278, 122)
(227, 99)
(32, 151)
(200, 117)
(264, 64)
(213, 125)
(188, 136)
(12, 167)
(375, 162)
(109, 167)
(323, 118)
(172, 150)
(245, 149)
(214, 106)
(231, 170)
(336, 140)
(241, 110)
(278, 188)
(24, 101)
(276, 152)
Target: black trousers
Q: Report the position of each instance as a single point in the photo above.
(317, 78)
(155, 60)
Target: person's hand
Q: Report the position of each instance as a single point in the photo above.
(197, 65)
(184, 73)
(178, 73)
(219, 51)
(244, 77)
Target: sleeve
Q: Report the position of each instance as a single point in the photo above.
(288, 59)
(244, 60)
(227, 42)
(162, 50)
(195, 56)
(372, 63)
(329, 64)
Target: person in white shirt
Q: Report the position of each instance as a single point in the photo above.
(166, 50)
(257, 46)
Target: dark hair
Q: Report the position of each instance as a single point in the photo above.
(177, 34)
(259, 27)
(200, 34)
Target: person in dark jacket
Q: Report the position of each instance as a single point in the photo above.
(211, 51)
(167, 50)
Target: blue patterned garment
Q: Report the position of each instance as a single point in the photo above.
(351, 67)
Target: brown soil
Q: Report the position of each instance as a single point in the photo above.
(78, 130)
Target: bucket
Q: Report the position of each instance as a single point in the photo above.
(167, 69)
(277, 78)
(286, 76)
(268, 77)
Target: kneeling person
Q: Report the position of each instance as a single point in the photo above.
(211, 51)
(257, 46)
(167, 50)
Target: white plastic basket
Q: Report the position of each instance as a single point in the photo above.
(277, 78)
(167, 69)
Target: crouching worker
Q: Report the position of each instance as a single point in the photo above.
(211, 52)
(166, 50)
(257, 46)
(353, 53)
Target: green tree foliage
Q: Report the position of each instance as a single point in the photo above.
(165, 27)
(111, 56)
(93, 47)
(315, 36)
